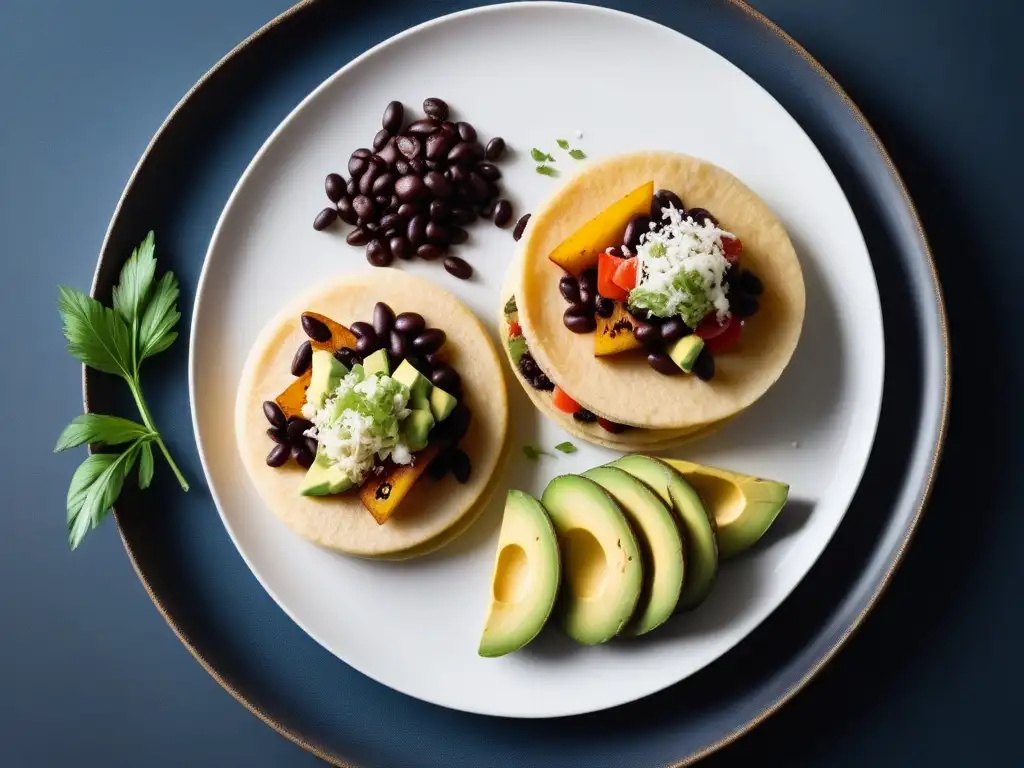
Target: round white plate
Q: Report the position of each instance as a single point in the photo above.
(532, 73)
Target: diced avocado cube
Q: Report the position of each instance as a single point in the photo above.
(684, 352)
(328, 372)
(517, 348)
(441, 404)
(416, 428)
(324, 479)
(418, 384)
(377, 363)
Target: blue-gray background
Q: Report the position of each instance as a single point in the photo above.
(89, 672)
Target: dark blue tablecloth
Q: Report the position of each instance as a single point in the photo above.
(91, 675)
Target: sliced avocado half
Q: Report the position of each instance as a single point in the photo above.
(602, 569)
(685, 351)
(327, 373)
(377, 363)
(441, 404)
(701, 553)
(416, 429)
(418, 384)
(324, 479)
(744, 506)
(661, 546)
(527, 573)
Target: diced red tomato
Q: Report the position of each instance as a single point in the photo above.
(732, 247)
(625, 275)
(611, 426)
(514, 330)
(563, 402)
(709, 327)
(728, 337)
(606, 266)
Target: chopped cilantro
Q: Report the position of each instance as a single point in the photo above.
(563, 143)
(578, 154)
(693, 307)
(510, 305)
(566, 447)
(546, 170)
(541, 157)
(533, 453)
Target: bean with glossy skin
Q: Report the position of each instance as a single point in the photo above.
(457, 173)
(430, 252)
(274, 414)
(378, 253)
(347, 357)
(435, 359)
(416, 232)
(457, 424)
(315, 329)
(637, 226)
(311, 445)
(445, 377)
(383, 319)
(296, 427)
(389, 153)
(408, 210)
(325, 218)
(588, 281)
(662, 363)
(352, 187)
(361, 328)
(424, 127)
(358, 236)
(302, 455)
(480, 189)
(383, 185)
(489, 171)
(334, 186)
(409, 188)
(674, 328)
(579, 323)
(588, 297)
(363, 206)
(369, 225)
(400, 247)
(438, 185)
(303, 358)
(368, 177)
(465, 152)
(381, 138)
(700, 216)
(345, 210)
(402, 167)
(440, 211)
(392, 221)
(439, 144)
(742, 304)
(430, 340)
(410, 323)
(356, 165)
(394, 114)
(569, 287)
(437, 233)
(417, 166)
(462, 216)
(648, 335)
(604, 307)
(457, 267)
(502, 213)
(495, 149)
(367, 345)
(435, 108)
(704, 365)
(278, 455)
(457, 236)
(517, 233)
(661, 200)
(277, 435)
(461, 466)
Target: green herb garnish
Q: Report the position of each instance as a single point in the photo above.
(510, 305)
(563, 143)
(117, 340)
(693, 306)
(566, 447)
(533, 453)
(541, 157)
(546, 170)
(578, 154)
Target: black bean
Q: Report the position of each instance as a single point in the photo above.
(480, 189)
(588, 297)
(357, 165)
(295, 429)
(701, 215)
(400, 247)
(368, 177)
(441, 464)
(325, 218)
(394, 113)
(704, 365)
(345, 210)
(440, 211)
(311, 444)
(461, 467)
(363, 206)
(279, 436)
(410, 323)
(424, 127)
(383, 319)
(604, 307)
(502, 213)
(416, 231)
(397, 345)
(742, 304)
(454, 428)
(302, 359)
(430, 340)
(381, 138)
(274, 414)
(495, 148)
(662, 199)
(362, 152)
(435, 108)
(489, 171)
(457, 173)
(569, 287)
(578, 322)
(662, 363)
(457, 267)
(486, 209)
(438, 234)
(674, 328)
(378, 253)
(383, 185)
(361, 328)
(749, 282)
(352, 187)
(410, 188)
(438, 185)
(588, 281)
(358, 236)
(648, 335)
(439, 144)
(430, 252)
(638, 225)
(517, 233)
(417, 166)
(402, 167)
(435, 359)
(389, 154)
(315, 329)
(392, 221)
(278, 455)
(302, 455)
(347, 357)
(334, 186)
(407, 210)
(466, 152)
(462, 216)
(445, 377)
(457, 236)
(369, 225)
(367, 345)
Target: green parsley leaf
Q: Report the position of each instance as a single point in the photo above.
(533, 453)
(146, 466)
(578, 154)
(97, 335)
(96, 429)
(541, 157)
(94, 488)
(563, 143)
(566, 447)
(136, 280)
(510, 305)
(546, 170)
(156, 329)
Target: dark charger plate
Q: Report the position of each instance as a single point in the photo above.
(195, 577)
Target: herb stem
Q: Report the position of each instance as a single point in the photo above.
(147, 419)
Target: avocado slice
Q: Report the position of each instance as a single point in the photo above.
(377, 363)
(441, 404)
(527, 572)
(701, 554)
(324, 479)
(684, 352)
(418, 384)
(602, 570)
(744, 506)
(327, 373)
(416, 429)
(661, 546)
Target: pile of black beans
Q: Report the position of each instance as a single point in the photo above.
(288, 437)
(533, 374)
(413, 194)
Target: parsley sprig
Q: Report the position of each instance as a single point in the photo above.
(117, 340)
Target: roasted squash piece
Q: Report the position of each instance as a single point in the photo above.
(579, 251)
(614, 334)
(340, 335)
(294, 397)
(382, 495)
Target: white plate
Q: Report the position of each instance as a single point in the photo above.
(532, 73)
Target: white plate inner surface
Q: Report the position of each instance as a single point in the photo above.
(533, 73)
